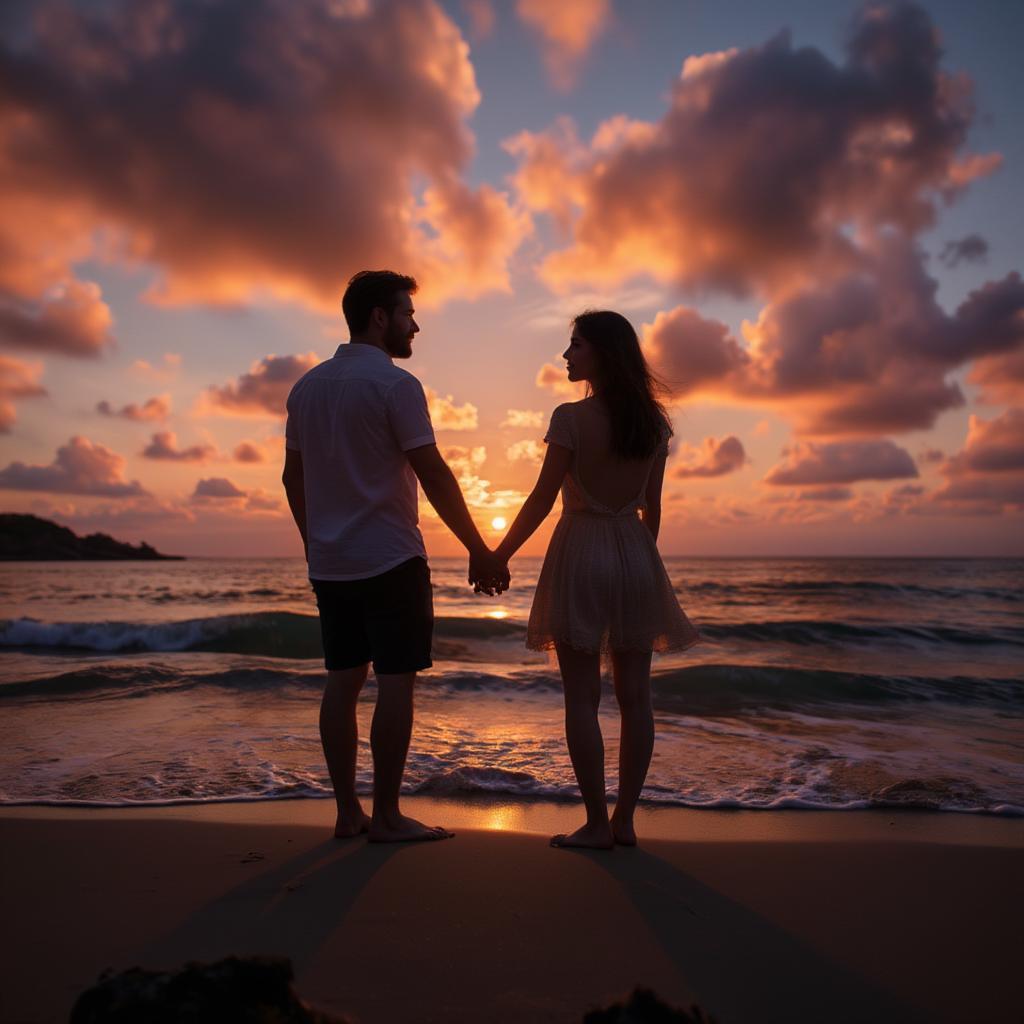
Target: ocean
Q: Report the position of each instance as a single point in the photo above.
(836, 683)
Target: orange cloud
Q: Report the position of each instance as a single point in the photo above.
(369, 144)
(446, 415)
(481, 17)
(555, 379)
(567, 30)
(841, 462)
(518, 418)
(987, 474)
(69, 318)
(246, 451)
(80, 467)
(525, 451)
(156, 408)
(17, 380)
(262, 391)
(164, 446)
(713, 459)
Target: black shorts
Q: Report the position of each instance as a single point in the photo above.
(386, 619)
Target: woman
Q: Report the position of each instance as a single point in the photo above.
(603, 588)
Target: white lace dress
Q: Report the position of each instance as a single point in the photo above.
(603, 585)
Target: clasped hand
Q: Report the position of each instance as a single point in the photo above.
(488, 574)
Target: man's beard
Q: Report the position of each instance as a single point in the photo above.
(397, 344)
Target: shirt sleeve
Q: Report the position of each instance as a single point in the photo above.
(408, 414)
(291, 430)
(560, 429)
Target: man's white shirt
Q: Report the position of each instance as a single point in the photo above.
(353, 418)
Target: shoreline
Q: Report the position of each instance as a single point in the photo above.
(791, 915)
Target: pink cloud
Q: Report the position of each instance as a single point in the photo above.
(554, 378)
(825, 494)
(164, 446)
(18, 379)
(525, 451)
(246, 451)
(520, 418)
(714, 458)
(567, 30)
(216, 488)
(763, 162)
(70, 319)
(262, 391)
(841, 462)
(156, 408)
(481, 17)
(80, 467)
(357, 128)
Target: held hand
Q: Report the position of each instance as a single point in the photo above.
(488, 574)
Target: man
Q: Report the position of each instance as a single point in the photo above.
(358, 437)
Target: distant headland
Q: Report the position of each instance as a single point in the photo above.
(26, 538)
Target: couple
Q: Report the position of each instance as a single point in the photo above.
(358, 438)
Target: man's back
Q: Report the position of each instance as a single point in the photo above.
(353, 418)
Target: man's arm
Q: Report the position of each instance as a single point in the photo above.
(442, 491)
(295, 488)
(538, 504)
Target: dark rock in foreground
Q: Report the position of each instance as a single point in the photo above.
(242, 990)
(25, 538)
(644, 1007)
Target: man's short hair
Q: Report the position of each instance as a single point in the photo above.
(370, 289)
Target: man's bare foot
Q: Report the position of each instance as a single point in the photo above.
(589, 837)
(348, 826)
(401, 829)
(624, 833)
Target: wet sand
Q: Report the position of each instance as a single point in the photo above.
(756, 916)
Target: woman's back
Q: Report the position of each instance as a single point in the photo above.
(607, 478)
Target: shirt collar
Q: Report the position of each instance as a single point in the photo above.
(347, 349)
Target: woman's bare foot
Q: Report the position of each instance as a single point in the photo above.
(589, 837)
(349, 825)
(624, 833)
(400, 829)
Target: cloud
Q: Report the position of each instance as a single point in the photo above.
(481, 17)
(164, 446)
(157, 408)
(525, 451)
(520, 418)
(714, 458)
(292, 149)
(555, 379)
(768, 167)
(80, 467)
(246, 451)
(841, 462)
(170, 365)
(70, 319)
(865, 353)
(263, 390)
(446, 415)
(1000, 377)
(17, 380)
(969, 249)
(216, 488)
(465, 463)
(825, 494)
(567, 30)
(992, 446)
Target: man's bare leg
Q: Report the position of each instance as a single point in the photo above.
(390, 733)
(339, 733)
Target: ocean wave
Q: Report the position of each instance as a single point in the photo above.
(271, 634)
(715, 690)
(817, 633)
(854, 588)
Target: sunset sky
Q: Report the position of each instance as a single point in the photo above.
(811, 211)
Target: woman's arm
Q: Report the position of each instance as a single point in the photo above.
(652, 498)
(538, 504)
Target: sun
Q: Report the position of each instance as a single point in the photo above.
(498, 523)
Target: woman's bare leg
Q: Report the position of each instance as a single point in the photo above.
(581, 682)
(632, 672)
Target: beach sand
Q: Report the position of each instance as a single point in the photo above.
(756, 916)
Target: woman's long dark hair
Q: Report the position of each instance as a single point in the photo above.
(625, 384)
